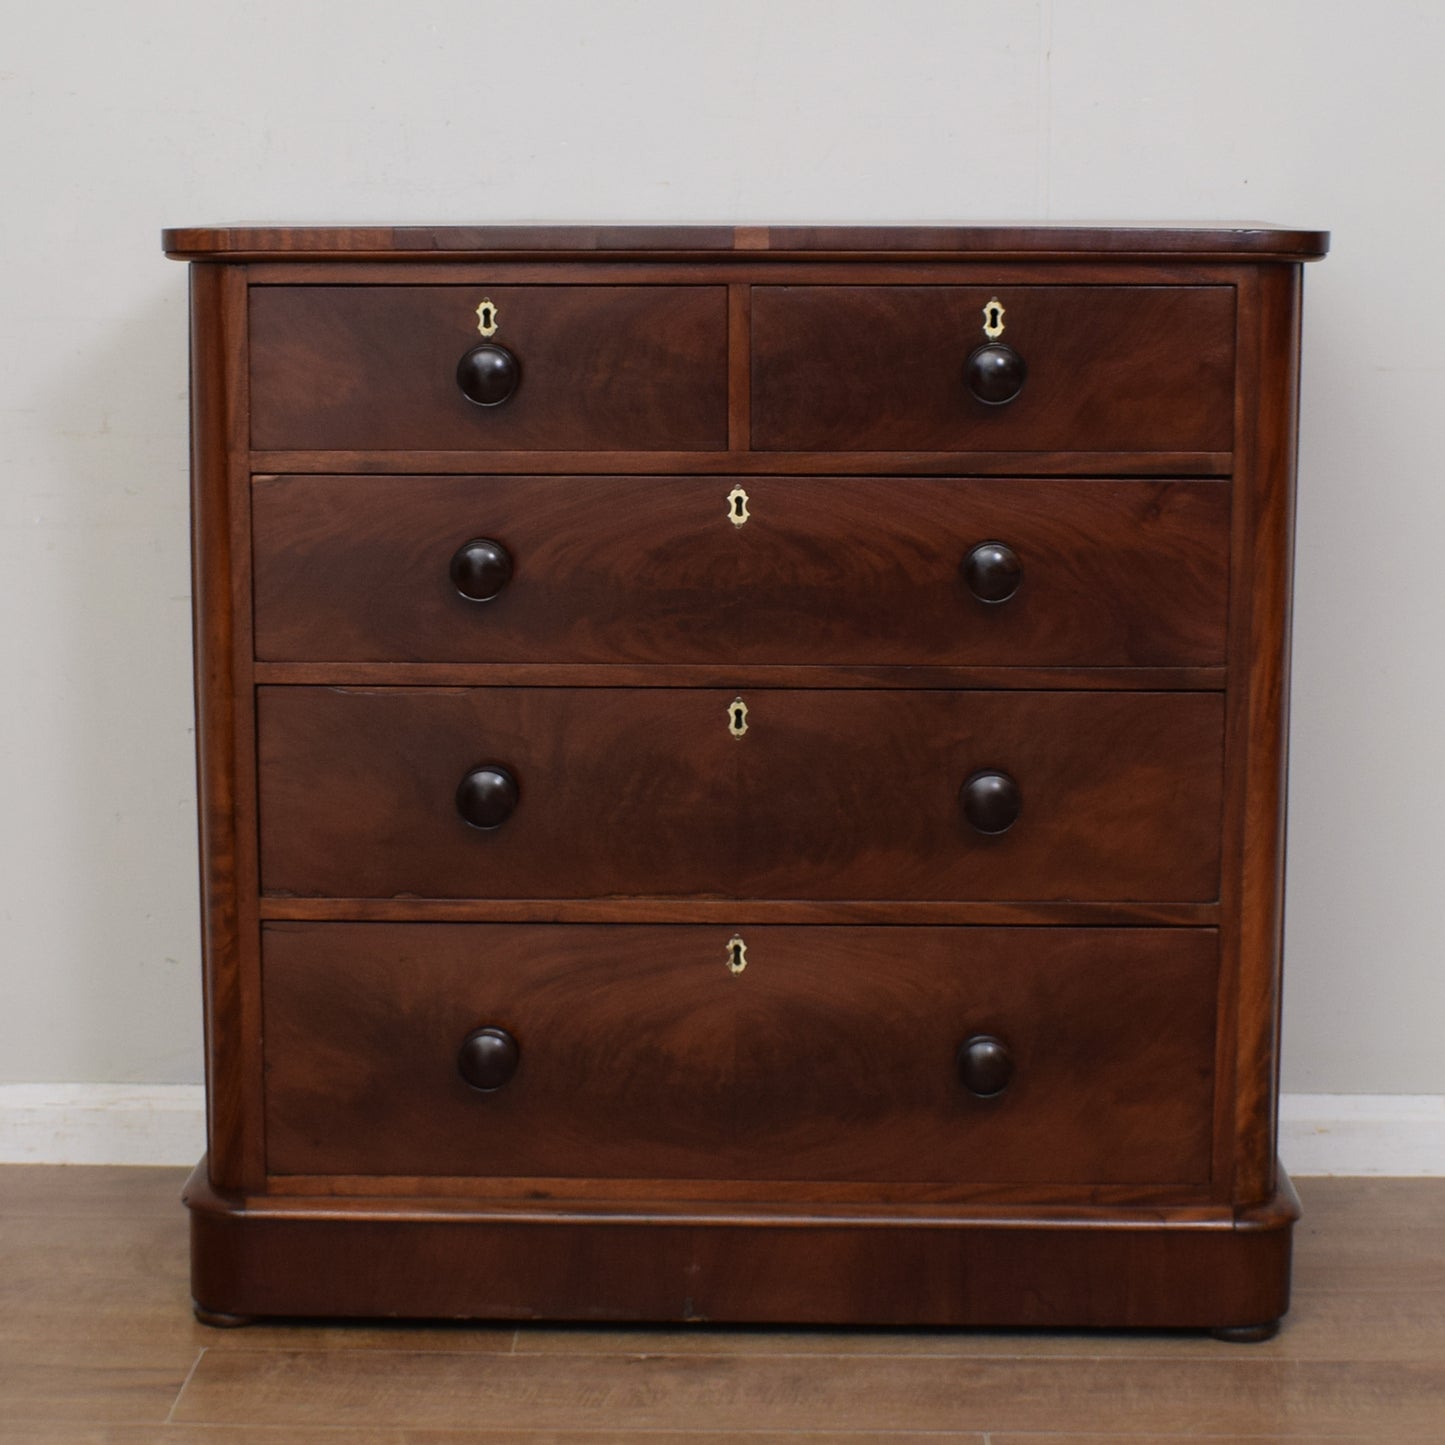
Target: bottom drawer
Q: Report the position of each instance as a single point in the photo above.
(834, 1054)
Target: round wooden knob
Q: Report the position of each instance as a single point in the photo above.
(488, 374)
(481, 568)
(985, 1065)
(995, 373)
(487, 796)
(488, 1058)
(991, 801)
(993, 571)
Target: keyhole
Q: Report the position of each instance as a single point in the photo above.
(737, 506)
(486, 316)
(737, 717)
(737, 954)
(993, 319)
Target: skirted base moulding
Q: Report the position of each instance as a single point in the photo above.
(1111, 1268)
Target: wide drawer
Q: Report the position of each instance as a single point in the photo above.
(602, 368)
(826, 793)
(881, 368)
(834, 1055)
(823, 569)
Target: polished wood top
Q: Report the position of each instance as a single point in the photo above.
(1044, 241)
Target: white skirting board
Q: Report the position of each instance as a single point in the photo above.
(102, 1123)
(1395, 1134)
(164, 1124)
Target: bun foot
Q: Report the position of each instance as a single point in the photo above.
(1247, 1334)
(218, 1320)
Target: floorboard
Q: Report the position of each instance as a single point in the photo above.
(98, 1347)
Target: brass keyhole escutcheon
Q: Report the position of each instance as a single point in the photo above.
(993, 319)
(487, 317)
(737, 955)
(737, 717)
(738, 507)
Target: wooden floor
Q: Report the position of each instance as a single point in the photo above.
(97, 1345)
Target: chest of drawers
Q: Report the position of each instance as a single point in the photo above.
(742, 772)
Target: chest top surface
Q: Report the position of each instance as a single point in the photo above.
(1061, 239)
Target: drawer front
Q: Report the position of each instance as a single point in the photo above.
(824, 570)
(826, 794)
(882, 368)
(832, 1056)
(601, 368)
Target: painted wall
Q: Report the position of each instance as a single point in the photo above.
(119, 119)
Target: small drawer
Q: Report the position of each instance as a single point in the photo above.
(862, 570)
(542, 792)
(895, 368)
(922, 1055)
(376, 368)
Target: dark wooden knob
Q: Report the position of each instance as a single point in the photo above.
(995, 373)
(488, 1058)
(985, 1065)
(481, 568)
(487, 796)
(488, 374)
(991, 801)
(993, 571)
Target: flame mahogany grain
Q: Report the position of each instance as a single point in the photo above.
(831, 1057)
(832, 569)
(658, 1135)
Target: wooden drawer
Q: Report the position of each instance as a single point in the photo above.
(825, 570)
(832, 1056)
(846, 940)
(828, 793)
(602, 368)
(881, 368)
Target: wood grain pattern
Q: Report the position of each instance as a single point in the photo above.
(830, 793)
(1053, 1437)
(735, 676)
(710, 1204)
(830, 1057)
(740, 426)
(641, 909)
(453, 1258)
(1325, 1324)
(224, 735)
(864, 571)
(409, 242)
(848, 1201)
(94, 1282)
(741, 268)
(603, 367)
(211, 1434)
(1260, 698)
(880, 368)
(1232, 1399)
(1145, 468)
(1101, 465)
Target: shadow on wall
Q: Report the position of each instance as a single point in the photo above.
(115, 769)
(1365, 832)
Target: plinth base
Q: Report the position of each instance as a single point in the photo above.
(915, 1265)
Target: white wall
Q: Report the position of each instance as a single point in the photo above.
(117, 119)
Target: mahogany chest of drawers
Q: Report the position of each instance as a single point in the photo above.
(742, 772)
